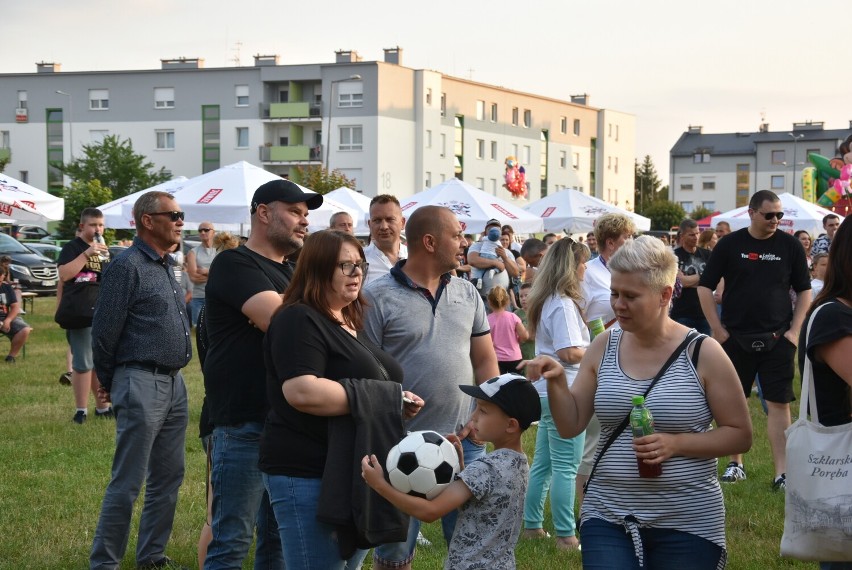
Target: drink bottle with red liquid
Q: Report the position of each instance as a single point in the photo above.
(642, 424)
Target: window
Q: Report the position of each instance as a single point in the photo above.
(708, 185)
(701, 156)
(527, 118)
(24, 176)
(22, 101)
(777, 182)
(164, 97)
(686, 185)
(609, 163)
(615, 168)
(563, 159)
(98, 99)
(443, 145)
(98, 136)
(350, 94)
(526, 157)
(480, 149)
(5, 139)
(779, 157)
(443, 104)
(577, 127)
(493, 150)
(616, 133)
(563, 125)
(480, 183)
(429, 97)
(284, 96)
(242, 137)
(687, 207)
(427, 181)
(493, 112)
(351, 138)
(609, 130)
(242, 95)
(709, 205)
(165, 139)
(514, 116)
(428, 139)
(480, 110)
(575, 163)
(283, 141)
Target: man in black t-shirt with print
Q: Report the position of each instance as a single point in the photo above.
(759, 329)
(244, 287)
(691, 261)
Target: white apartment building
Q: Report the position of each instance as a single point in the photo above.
(391, 128)
(722, 171)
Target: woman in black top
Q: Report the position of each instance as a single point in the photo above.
(317, 359)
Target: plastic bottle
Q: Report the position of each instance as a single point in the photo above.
(104, 256)
(642, 424)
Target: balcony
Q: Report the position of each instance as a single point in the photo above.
(297, 111)
(5, 154)
(296, 154)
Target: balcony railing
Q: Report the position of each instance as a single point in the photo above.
(295, 153)
(296, 110)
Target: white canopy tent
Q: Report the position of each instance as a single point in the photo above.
(574, 212)
(356, 202)
(473, 207)
(319, 219)
(115, 215)
(798, 215)
(21, 202)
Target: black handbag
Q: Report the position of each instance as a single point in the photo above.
(77, 305)
(758, 342)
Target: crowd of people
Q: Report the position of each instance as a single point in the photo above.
(319, 353)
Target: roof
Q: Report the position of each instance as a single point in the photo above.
(721, 144)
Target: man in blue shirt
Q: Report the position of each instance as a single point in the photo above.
(140, 341)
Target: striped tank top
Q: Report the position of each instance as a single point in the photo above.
(687, 496)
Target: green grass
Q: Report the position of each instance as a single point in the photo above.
(54, 473)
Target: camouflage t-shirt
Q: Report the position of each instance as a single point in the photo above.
(490, 522)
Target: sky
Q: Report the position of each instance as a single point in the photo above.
(722, 64)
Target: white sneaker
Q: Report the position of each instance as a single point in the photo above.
(422, 540)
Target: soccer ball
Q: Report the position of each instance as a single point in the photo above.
(422, 464)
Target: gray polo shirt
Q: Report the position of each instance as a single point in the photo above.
(430, 338)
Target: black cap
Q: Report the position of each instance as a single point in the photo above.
(513, 394)
(492, 222)
(283, 191)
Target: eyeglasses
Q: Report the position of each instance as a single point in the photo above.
(348, 268)
(173, 216)
(769, 215)
(203, 230)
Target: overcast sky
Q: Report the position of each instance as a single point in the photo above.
(721, 64)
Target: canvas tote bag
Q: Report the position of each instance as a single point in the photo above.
(818, 502)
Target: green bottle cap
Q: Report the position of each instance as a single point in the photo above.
(638, 400)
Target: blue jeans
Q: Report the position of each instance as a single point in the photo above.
(701, 325)
(607, 546)
(240, 502)
(555, 468)
(395, 553)
(151, 415)
(308, 544)
(194, 310)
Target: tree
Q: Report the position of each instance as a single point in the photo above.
(114, 163)
(4, 162)
(700, 212)
(320, 180)
(664, 214)
(647, 183)
(79, 196)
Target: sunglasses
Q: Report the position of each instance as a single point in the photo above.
(173, 216)
(769, 215)
(204, 230)
(348, 268)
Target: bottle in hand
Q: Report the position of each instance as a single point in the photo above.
(100, 239)
(642, 424)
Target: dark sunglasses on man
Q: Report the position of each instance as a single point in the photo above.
(769, 215)
(173, 216)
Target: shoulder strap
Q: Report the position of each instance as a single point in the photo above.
(681, 347)
(807, 376)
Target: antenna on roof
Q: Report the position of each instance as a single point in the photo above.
(236, 50)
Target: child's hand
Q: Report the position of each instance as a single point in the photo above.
(372, 472)
(457, 444)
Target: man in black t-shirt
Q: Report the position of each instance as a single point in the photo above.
(759, 329)
(244, 288)
(691, 261)
(11, 324)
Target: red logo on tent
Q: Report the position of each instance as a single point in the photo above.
(407, 206)
(209, 196)
(5, 209)
(504, 211)
(547, 212)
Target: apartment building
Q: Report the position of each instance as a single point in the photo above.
(721, 171)
(391, 128)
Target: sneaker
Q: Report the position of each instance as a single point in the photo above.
(163, 563)
(780, 483)
(733, 472)
(10, 359)
(80, 417)
(105, 415)
(422, 540)
(65, 378)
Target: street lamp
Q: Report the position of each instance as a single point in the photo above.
(70, 121)
(795, 140)
(355, 77)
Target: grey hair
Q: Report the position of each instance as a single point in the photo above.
(648, 257)
(147, 204)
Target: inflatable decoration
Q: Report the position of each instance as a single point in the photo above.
(516, 178)
(829, 180)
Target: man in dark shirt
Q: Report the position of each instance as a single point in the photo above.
(11, 324)
(691, 260)
(141, 340)
(244, 289)
(759, 329)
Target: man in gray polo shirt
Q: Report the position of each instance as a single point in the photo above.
(435, 326)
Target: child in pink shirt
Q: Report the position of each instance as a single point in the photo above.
(507, 331)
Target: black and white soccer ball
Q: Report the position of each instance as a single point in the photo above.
(422, 464)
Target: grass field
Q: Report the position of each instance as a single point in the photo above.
(54, 473)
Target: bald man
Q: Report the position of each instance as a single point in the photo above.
(342, 221)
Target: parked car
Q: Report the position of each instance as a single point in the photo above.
(48, 250)
(33, 271)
